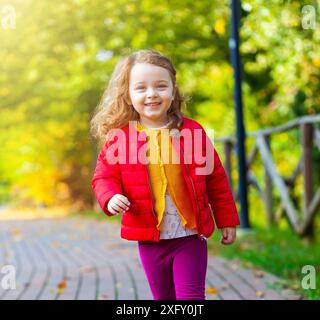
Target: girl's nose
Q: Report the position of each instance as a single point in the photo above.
(151, 92)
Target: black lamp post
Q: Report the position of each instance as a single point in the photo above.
(235, 59)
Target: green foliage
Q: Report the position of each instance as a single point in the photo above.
(277, 251)
(281, 60)
(56, 64)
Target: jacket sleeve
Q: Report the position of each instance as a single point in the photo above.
(219, 193)
(106, 181)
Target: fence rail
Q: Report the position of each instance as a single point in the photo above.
(303, 224)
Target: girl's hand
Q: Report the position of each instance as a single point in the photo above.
(228, 235)
(118, 204)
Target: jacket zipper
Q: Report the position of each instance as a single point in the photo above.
(154, 214)
(195, 197)
(151, 194)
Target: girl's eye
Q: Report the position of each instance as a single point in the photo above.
(142, 88)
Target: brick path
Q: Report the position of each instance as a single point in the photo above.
(86, 259)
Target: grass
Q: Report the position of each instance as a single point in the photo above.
(101, 216)
(275, 250)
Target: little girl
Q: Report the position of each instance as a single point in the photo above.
(166, 194)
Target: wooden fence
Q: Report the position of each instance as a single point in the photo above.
(301, 224)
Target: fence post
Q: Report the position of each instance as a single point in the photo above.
(306, 130)
(268, 191)
(227, 145)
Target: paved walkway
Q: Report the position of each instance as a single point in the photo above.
(87, 259)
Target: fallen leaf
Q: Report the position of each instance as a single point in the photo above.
(16, 234)
(234, 266)
(59, 291)
(225, 286)
(259, 294)
(15, 231)
(87, 269)
(103, 296)
(62, 284)
(212, 290)
(51, 291)
(55, 244)
(258, 274)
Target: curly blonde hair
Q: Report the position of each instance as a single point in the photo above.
(114, 109)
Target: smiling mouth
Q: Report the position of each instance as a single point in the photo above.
(153, 104)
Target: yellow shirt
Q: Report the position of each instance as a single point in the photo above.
(166, 175)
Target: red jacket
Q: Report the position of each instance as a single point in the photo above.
(210, 192)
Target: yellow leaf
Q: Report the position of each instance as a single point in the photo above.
(59, 291)
(259, 294)
(16, 234)
(212, 290)
(316, 62)
(220, 26)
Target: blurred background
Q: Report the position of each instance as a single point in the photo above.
(56, 59)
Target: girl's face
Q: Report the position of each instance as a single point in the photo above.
(151, 93)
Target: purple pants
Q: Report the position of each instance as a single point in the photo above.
(175, 268)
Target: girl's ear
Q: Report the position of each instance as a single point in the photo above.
(174, 92)
(128, 101)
